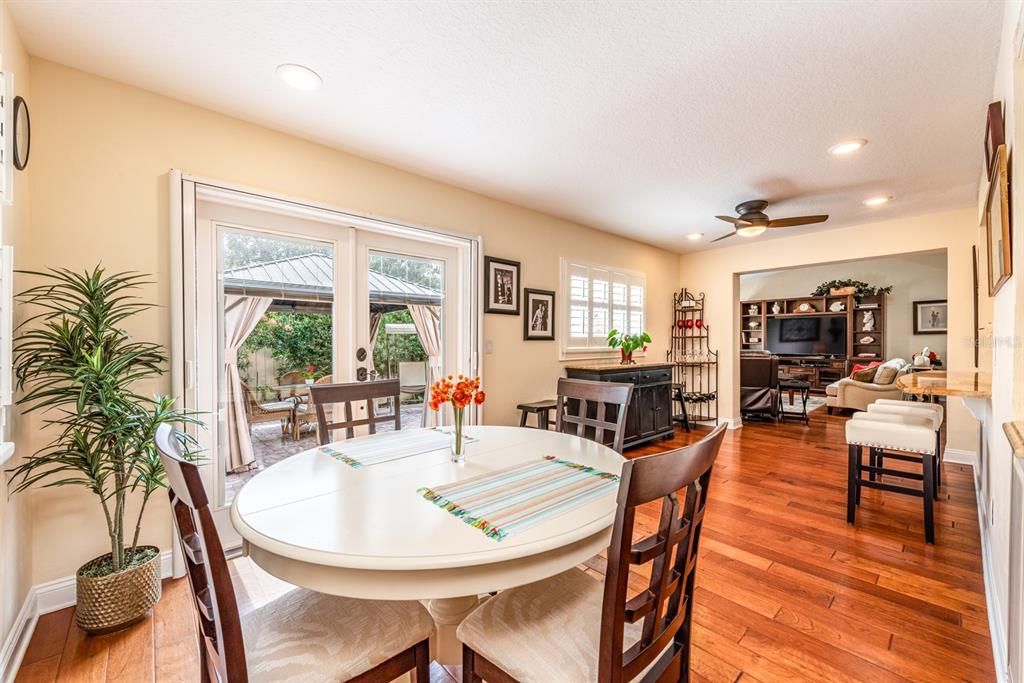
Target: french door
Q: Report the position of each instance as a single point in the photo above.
(275, 294)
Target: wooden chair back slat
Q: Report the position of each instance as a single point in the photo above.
(222, 655)
(324, 395)
(665, 608)
(573, 413)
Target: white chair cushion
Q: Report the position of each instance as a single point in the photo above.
(544, 631)
(919, 405)
(907, 433)
(933, 418)
(307, 637)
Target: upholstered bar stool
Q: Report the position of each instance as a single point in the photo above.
(909, 438)
(930, 411)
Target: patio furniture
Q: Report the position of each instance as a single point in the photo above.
(573, 628)
(303, 635)
(304, 413)
(289, 386)
(324, 396)
(413, 378)
(256, 412)
(575, 414)
(542, 409)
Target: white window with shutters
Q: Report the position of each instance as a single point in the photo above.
(596, 299)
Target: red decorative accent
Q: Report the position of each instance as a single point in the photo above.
(680, 323)
(699, 322)
(688, 323)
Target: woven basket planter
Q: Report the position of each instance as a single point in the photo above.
(112, 602)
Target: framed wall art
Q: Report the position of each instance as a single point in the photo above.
(501, 286)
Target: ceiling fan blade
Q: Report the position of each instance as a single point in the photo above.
(734, 221)
(797, 220)
(719, 239)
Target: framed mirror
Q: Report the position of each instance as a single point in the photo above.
(997, 223)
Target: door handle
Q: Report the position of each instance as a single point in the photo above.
(361, 374)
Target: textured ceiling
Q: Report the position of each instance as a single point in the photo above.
(643, 118)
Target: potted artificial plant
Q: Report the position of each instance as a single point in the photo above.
(75, 362)
(628, 343)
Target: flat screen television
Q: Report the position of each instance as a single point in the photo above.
(819, 335)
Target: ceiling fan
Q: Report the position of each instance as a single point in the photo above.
(753, 221)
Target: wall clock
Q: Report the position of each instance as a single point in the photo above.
(22, 133)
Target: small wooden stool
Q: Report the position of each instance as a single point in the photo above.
(542, 409)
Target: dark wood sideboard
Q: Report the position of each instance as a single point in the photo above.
(650, 410)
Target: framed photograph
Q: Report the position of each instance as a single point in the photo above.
(995, 135)
(997, 224)
(930, 317)
(501, 286)
(539, 321)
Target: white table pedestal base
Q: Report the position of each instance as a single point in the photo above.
(448, 613)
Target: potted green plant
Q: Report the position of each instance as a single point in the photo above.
(75, 362)
(628, 343)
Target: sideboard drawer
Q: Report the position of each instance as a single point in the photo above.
(623, 377)
(656, 376)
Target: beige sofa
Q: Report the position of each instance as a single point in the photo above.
(849, 393)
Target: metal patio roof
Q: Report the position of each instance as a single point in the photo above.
(310, 277)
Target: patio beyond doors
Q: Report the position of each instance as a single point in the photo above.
(282, 302)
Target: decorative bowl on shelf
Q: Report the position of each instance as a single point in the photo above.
(866, 340)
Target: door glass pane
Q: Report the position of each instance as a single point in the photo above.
(276, 298)
(407, 319)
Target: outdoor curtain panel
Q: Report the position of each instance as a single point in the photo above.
(241, 315)
(427, 320)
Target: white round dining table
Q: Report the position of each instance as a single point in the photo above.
(316, 522)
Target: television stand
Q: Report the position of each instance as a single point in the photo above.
(819, 371)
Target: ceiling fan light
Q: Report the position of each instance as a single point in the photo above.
(847, 146)
(750, 230)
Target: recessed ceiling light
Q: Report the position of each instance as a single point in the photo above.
(847, 147)
(694, 236)
(299, 77)
(876, 201)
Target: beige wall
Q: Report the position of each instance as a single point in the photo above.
(914, 277)
(101, 153)
(15, 532)
(717, 273)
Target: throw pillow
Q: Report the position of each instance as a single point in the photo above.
(864, 374)
(886, 375)
(857, 367)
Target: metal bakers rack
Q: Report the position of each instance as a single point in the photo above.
(695, 365)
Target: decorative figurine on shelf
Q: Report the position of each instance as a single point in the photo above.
(869, 321)
(776, 308)
(752, 309)
(837, 306)
(923, 359)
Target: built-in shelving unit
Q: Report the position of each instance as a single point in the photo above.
(865, 330)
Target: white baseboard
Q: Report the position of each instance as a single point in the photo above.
(733, 422)
(42, 599)
(960, 457)
(17, 640)
(996, 628)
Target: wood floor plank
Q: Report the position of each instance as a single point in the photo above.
(39, 671)
(49, 636)
(786, 590)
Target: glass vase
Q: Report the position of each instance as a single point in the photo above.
(458, 444)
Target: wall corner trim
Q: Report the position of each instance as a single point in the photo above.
(960, 457)
(42, 599)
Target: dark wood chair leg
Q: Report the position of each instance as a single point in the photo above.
(938, 461)
(468, 666)
(422, 654)
(543, 421)
(522, 418)
(929, 498)
(873, 462)
(828, 410)
(852, 487)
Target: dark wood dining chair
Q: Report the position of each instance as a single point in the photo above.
(548, 630)
(327, 396)
(583, 410)
(302, 635)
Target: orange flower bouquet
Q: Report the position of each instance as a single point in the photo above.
(461, 392)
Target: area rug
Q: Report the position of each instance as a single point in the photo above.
(796, 408)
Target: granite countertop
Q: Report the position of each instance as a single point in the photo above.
(617, 366)
(1015, 435)
(968, 384)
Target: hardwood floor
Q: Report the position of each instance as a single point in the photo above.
(785, 589)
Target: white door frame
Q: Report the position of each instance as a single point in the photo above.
(186, 190)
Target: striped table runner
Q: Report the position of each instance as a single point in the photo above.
(518, 497)
(378, 448)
